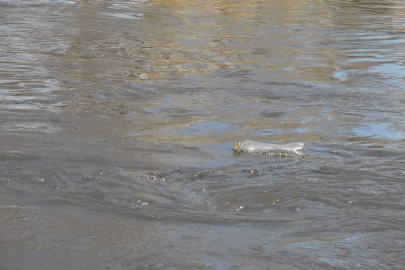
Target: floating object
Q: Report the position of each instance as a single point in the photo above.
(290, 149)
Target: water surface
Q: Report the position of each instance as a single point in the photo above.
(117, 120)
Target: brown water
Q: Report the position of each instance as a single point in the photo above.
(117, 120)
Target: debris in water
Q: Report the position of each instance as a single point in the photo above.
(252, 171)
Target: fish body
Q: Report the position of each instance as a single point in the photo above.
(290, 149)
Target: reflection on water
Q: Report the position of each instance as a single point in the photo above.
(125, 112)
(379, 130)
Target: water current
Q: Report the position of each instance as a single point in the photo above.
(117, 121)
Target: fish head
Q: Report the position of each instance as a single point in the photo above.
(236, 146)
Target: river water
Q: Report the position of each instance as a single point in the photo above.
(117, 120)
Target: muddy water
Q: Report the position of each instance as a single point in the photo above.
(117, 120)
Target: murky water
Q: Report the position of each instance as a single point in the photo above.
(117, 120)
